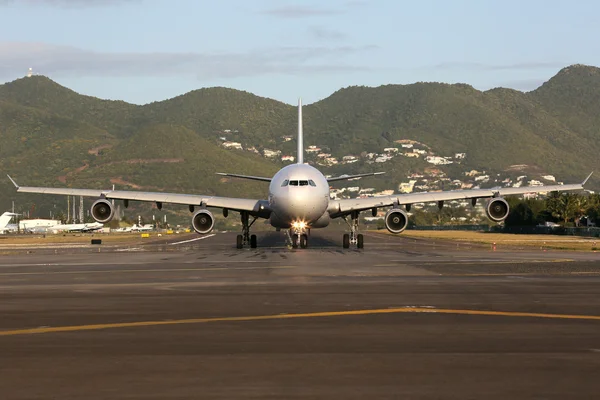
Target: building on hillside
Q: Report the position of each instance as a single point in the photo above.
(438, 160)
(383, 158)
(390, 150)
(232, 145)
(407, 187)
(288, 158)
(411, 155)
(271, 153)
(550, 178)
(460, 156)
(312, 149)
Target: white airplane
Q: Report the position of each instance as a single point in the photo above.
(90, 227)
(298, 201)
(142, 228)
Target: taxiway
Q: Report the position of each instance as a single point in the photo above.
(404, 318)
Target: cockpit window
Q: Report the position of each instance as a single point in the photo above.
(299, 183)
(285, 183)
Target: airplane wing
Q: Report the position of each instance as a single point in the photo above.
(346, 177)
(254, 178)
(255, 207)
(346, 206)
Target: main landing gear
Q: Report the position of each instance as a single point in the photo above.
(353, 238)
(245, 238)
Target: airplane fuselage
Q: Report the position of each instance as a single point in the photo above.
(299, 193)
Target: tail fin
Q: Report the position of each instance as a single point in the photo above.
(300, 134)
(5, 219)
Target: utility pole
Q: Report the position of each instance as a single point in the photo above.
(81, 209)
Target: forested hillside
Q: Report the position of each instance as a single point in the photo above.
(54, 136)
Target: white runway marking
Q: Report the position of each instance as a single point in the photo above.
(193, 240)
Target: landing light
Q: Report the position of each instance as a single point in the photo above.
(299, 224)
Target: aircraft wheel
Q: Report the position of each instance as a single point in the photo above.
(346, 241)
(253, 241)
(303, 241)
(295, 241)
(239, 241)
(360, 241)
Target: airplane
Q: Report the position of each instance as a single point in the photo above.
(90, 227)
(299, 201)
(84, 228)
(142, 228)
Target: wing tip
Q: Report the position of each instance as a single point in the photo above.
(13, 181)
(587, 179)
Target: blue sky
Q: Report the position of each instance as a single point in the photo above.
(149, 50)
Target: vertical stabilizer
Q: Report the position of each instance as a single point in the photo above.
(300, 134)
(5, 219)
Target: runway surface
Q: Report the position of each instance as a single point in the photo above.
(196, 318)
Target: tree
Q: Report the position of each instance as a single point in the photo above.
(566, 206)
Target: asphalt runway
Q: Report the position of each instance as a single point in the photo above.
(193, 317)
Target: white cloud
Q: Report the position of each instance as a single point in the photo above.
(55, 60)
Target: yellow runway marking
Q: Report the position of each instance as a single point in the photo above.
(119, 271)
(405, 310)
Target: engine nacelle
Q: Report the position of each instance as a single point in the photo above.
(203, 221)
(497, 209)
(102, 211)
(396, 220)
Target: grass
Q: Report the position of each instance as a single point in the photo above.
(511, 240)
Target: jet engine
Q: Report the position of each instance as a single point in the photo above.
(203, 221)
(102, 211)
(497, 209)
(396, 220)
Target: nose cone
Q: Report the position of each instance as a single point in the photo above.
(301, 205)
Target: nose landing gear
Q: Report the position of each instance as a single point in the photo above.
(353, 238)
(297, 237)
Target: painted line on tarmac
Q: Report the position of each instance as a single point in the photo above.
(486, 262)
(397, 310)
(120, 271)
(161, 262)
(192, 240)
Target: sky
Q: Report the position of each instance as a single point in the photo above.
(142, 51)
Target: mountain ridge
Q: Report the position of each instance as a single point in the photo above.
(551, 129)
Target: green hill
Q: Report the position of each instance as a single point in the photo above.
(54, 136)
